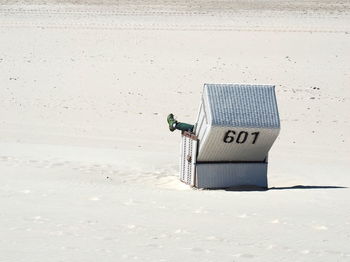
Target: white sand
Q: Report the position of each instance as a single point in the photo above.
(88, 168)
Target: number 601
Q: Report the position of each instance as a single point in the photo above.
(242, 137)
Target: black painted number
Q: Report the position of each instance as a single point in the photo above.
(255, 134)
(229, 136)
(242, 137)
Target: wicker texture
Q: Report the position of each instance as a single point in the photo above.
(249, 109)
(243, 105)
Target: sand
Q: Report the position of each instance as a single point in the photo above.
(89, 169)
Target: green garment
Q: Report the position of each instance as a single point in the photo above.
(173, 124)
(184, 127)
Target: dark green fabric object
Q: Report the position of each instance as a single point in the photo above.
(184, 127)
(173, 124)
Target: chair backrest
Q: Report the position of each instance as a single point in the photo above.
(236, 122)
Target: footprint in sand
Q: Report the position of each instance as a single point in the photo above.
(321, 228)
(94, 198)
(130, 227)
(181, 231)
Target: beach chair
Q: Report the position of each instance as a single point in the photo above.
(235, 128)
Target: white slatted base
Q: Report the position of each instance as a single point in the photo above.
(225, 175)
(187, 160)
